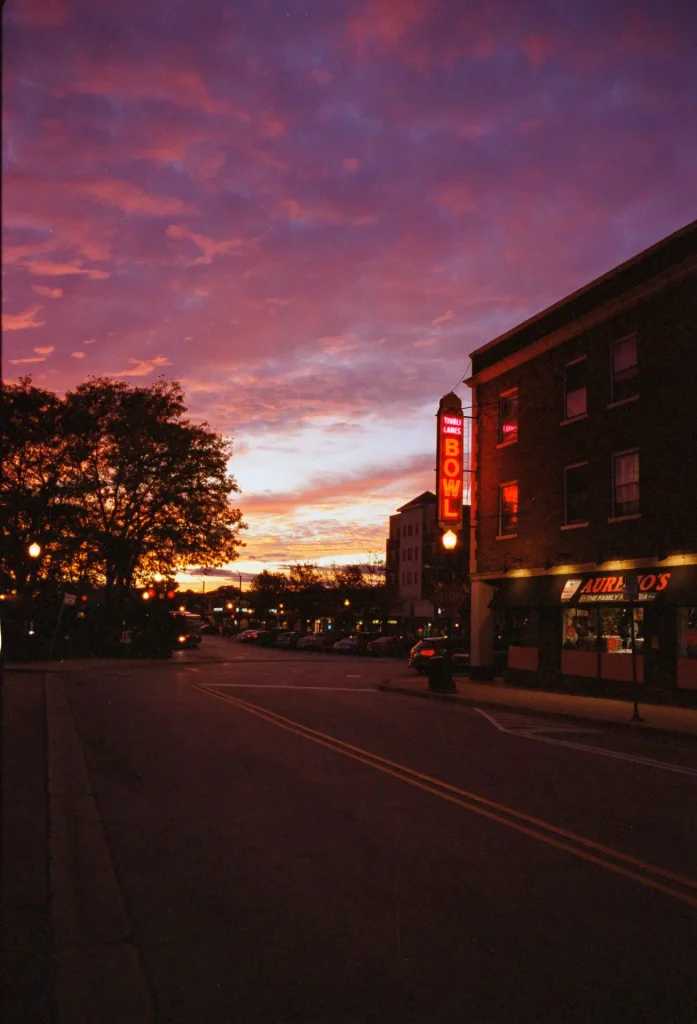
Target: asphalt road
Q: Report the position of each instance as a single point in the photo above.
(293, 845)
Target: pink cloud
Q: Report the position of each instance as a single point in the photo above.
(131, 199)
(150, 82)
(45, 268)
(209, 247)
(142, 367)
(448, 315)
(22, 321)
(49, 293)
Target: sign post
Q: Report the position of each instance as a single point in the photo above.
(68, 602)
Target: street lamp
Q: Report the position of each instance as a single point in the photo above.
(34, 550)
(449, 540)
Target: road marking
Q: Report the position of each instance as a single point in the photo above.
(510, 724)
(291, 686)
(646, 874)
(524, 724)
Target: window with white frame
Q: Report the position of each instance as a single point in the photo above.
(625, 369)
(625, 483)
(508, 417)
(575, 390)
(508, 508)
(576, 494)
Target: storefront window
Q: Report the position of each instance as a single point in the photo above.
(687, 633)
(580, 629)
(616, 629)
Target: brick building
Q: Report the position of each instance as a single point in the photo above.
(427, 586)
(584, 470)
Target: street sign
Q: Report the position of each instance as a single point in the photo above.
(449, 462)
(69, 600)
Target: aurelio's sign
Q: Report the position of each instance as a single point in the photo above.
(601, 589)
(449, 463)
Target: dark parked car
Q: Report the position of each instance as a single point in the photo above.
(388, 647)
(263, 637)
(355, 643)
(454, 648)
(287, 639)
(319, 641)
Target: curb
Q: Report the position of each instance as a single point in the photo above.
(98, 974)
(628, 726)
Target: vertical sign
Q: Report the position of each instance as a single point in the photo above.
(449, 462)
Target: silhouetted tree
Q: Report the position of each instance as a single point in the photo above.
(116, 482)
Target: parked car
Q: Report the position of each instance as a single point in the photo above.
(388, 647)
(319, 641)
(355, 643)
(263, 637)
(453, 647)
(287, 639)
(242, 637)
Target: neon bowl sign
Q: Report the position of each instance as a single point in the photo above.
(450, 464)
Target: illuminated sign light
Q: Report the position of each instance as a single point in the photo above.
(603, 589)
(450, 462)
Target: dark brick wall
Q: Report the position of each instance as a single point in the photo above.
(662, 423)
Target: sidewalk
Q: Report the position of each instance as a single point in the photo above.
(602, 709)
(66, 940)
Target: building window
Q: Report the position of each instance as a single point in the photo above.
(508, 508)
(580, 629)
(624, 369)
(625, 478)
(575, 392)
(576, 494)
(416, 577)
(508, 417)
(617, 629)
(416, 529)
(408, 577)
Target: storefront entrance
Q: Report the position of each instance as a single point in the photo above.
(638, 629)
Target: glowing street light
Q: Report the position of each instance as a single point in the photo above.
(449, 540)
(34, 550)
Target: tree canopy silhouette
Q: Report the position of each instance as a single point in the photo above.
(114, 482)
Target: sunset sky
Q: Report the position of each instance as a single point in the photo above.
(310, 212)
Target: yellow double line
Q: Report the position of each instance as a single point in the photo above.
(667, 882)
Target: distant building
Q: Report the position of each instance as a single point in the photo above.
(427, 587)
(584, 504)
